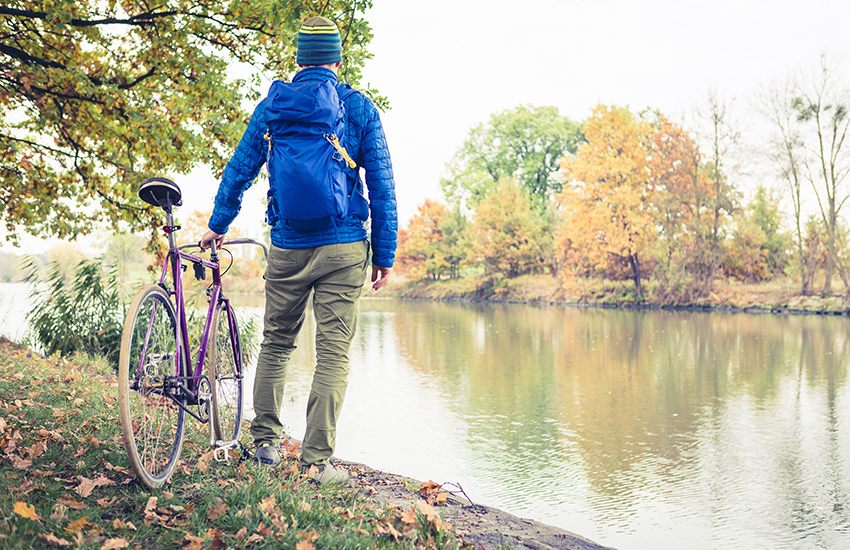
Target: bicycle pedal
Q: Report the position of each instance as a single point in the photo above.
(224, 451)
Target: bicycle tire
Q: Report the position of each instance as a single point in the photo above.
(152, 357)
(225, 373)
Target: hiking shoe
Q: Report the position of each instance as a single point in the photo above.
(267, 455)
(331, 476)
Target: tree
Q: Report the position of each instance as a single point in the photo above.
(719, 137)
(456, 240)
(757, 250)
(822, 103)
(420, 251)
(525, 143)
(607, 192)
(777, 105)
(97, 95)
(766, 214)
(682, 193)
(509, 233)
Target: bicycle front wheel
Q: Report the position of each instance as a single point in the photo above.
(225, 373)
(150, 370)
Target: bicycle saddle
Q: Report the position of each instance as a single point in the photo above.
(160, 192)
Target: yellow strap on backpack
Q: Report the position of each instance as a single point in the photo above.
(333, 140)
(268, 137)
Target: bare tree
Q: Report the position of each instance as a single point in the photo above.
(821, 104)
(776, 104)
(719, 139)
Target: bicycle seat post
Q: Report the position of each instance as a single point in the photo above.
(170, 228)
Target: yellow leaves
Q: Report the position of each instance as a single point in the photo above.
(26, 511)
(306, 539)
(78, 525)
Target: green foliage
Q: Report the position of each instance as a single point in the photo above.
(526, 143)
(81, 314)
(509, 233)
(767, 215)
(97, 95)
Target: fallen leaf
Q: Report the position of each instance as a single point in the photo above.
(20, 463)
(76, 526)
(167, 495)
(26, 510)
(85, 487)
(216, 512)
(429, 486)
(305, 545)
(151, 505)
(50, 538)
(428, 510)
(240, 534)
(268, 504)
(104, 502)
(115, 544)
(304, 506)
(409, 516)
(254, 538)
(193, 542)
(71, 503)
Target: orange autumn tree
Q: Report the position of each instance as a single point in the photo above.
(683, 191)
(420, 251)
(607, 194)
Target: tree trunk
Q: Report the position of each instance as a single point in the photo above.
(634, 262)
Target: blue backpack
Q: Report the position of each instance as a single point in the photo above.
(307, 164)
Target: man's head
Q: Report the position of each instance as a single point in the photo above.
(318, 43)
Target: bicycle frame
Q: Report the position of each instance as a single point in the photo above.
(174, 264)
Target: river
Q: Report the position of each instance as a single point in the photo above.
(636, 429)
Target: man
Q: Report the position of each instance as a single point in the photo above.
(330, 263)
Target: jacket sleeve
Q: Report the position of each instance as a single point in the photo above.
(240, 173)
(381, 185)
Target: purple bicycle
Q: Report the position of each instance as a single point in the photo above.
(157, 387)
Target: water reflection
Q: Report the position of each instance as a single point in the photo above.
(635, 429)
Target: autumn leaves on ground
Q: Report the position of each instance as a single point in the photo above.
(67, 482)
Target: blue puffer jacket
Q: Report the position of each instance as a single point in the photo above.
(364, 139)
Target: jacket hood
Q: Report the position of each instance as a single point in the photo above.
(308, 100)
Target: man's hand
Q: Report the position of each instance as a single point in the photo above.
(210, 236)
(384, 276)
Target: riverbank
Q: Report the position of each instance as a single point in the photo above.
(778, 296)
(69, 484)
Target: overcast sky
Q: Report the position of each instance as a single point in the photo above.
(447, 65)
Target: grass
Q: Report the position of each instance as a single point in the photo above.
(67, 481)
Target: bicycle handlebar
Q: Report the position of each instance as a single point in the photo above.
(234, 241)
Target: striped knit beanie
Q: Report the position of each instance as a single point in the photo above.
(318, 42)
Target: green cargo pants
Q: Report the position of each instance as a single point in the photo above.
(335, 274)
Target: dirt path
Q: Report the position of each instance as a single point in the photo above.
(479, 525)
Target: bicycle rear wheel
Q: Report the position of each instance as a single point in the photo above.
(150, 370)
(225, 373)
